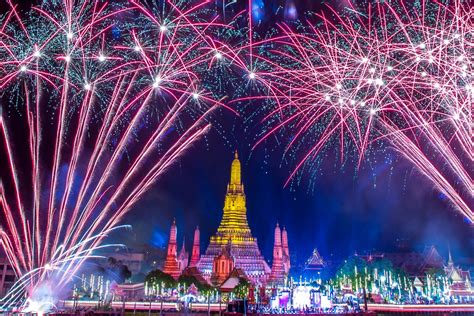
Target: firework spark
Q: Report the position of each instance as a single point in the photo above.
(105, 106)
(390, 73)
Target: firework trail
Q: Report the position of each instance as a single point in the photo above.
(392, 73)
(98, 101)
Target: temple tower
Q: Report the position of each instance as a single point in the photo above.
(183, 258)
(234, 229)
(286, 251)
(278, 271)
(171, 263)
(196, 252)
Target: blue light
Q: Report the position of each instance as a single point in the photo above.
(258, 11)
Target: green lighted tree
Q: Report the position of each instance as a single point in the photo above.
(159, 279)
(241, 290)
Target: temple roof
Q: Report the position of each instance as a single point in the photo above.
(315, 261)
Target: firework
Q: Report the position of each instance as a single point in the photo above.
(389, 73)
(98, 101)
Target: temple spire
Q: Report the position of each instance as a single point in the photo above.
(235, 172)
(450, 258)
(171, 263)
(195, 255)
(278, 272)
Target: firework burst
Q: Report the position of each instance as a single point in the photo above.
(389, 73)
(98, 101)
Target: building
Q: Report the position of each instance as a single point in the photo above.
(232, 248)
(172, 266)
(314, 265)
(7, 276)
(183, 258)
(414, 263)
(235, 234)
(460, 282)
(277, 275)
(196, 252)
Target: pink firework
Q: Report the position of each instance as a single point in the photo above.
(97, 103)
(391, 73)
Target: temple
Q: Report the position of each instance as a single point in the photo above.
(277, 275)
(171, 263)
(233, 249)
(196, 252)
(234, 235)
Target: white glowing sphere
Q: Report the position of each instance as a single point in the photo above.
(23, 68)
(456, 116)
(353, 102)
(446, 41)
(437, 85)
(37, 53)
(389, 68)
(252, 75)
(67, 58)
(327, 98)
(137, 48)
(101, 57)
(69, 35)
(163, 28)
(372, 70)
(157, 81)
(87, 86)
(423, 74)
(362, 103)
(364, 60)
(372, 112)
(340, 101)
(339, 86)
(218, 55)
(422, 46)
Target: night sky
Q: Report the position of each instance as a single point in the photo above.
(347, 210)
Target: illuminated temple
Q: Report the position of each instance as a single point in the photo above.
(233, 249)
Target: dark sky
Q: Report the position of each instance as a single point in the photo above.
(344, 213)
(347, 210)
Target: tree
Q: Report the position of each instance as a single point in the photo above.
(159, 279)
(241, 290)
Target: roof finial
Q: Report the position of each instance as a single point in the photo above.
(450, 258)
(236, 154)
